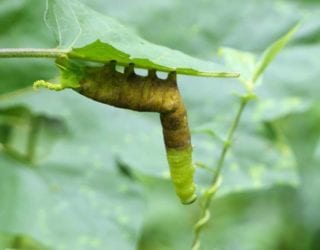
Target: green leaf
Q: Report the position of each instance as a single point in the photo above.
(73, 195)
(27, 136)
(201, 27)
(70, 204)
(246, 63)
(271, 52)
(246, 167)
(289, 89)
(241, 61)
(99, 38)
(90, 126)
(264, 219)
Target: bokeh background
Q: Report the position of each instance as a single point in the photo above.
(99, 177)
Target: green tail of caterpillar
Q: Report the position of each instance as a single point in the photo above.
(143, 93)
(177, 139)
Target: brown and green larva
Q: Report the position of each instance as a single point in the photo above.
(149, 94)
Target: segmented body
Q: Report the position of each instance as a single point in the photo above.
(150, 94)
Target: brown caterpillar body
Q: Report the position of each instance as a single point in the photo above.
(150, 94)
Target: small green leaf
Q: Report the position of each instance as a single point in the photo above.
(271, 52)
(241, 61)
(92, 36)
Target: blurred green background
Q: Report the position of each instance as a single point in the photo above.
(100, 178)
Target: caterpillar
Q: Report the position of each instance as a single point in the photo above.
(148, 94)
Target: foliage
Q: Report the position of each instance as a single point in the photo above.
(89, 183)
(96, 37)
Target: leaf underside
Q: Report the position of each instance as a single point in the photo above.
(95, 37)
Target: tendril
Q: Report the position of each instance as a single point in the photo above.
(52, 86)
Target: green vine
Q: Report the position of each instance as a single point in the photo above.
(208, 195)
(249, 84)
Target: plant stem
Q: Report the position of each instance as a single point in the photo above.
(210, 192)
(228, 142)
(29, 52)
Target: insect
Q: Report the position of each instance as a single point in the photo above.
(145, 94)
